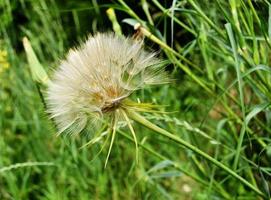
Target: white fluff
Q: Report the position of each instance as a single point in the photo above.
(94, 79)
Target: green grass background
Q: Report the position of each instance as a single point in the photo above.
(219, 55)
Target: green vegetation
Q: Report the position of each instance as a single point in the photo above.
(218, 113)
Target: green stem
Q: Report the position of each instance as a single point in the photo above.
(140, 119)
(167, 12)
(176, 165)
(152, 37)
(202, 14)
(241, 95)
(145, 7)
(130, 11)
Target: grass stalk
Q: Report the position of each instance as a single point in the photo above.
(152, 37)
(166, 12)
(202, 14)
(241, 95)
(142, 120)
(176, 165)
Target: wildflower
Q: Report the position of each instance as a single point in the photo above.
(95, 80)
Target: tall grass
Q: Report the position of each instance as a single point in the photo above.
(219, 56)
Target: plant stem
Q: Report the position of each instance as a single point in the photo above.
(167, 12)
(152, 37)
(176, 165)
(210, 22)
(142, 120)
(241, 95)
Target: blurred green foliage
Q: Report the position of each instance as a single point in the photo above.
(229, 118)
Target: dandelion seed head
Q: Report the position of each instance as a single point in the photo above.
(94, 79)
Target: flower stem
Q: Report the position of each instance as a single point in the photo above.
(142, 120)
(176, 165)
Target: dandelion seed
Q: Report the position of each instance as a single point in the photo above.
(94, 82)
(95, 79)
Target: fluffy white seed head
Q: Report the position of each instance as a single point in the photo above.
(96, 77)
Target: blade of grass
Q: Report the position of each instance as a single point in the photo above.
(202, 14)
(165, 11)
(177, 166)
(140, 119)
(241, 95)
(168, 48)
